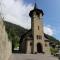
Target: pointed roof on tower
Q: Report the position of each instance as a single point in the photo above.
(36, 10)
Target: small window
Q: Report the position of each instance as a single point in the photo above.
(45, 45)
(38, 27)
(31, 44)
(37, 37)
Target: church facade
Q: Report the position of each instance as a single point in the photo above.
(34, 41)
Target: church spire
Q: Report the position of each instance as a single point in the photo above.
(35, 6)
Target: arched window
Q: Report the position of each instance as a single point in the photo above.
(39, 37)
(31, 44)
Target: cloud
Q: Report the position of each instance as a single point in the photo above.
(16, 11)
(48, 30)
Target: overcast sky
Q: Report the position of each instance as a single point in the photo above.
(17, 12)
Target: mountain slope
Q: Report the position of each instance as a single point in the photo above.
(14, 33)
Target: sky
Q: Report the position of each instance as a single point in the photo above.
(17, 12)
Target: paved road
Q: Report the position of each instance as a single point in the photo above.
(31, 57)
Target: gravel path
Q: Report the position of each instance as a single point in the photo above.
(31, 57)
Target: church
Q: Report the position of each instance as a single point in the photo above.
(34, 40)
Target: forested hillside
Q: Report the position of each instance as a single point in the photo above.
(14, 33)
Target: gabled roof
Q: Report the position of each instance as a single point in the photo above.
(27, 35)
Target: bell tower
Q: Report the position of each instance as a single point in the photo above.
(37, 30)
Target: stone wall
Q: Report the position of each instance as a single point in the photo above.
(37, 31)
(5, 44)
